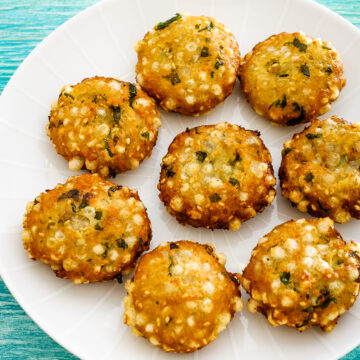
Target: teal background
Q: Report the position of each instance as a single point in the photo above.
(23, 24)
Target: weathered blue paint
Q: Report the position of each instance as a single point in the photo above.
(23, 24)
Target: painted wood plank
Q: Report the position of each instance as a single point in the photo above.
(23, 24)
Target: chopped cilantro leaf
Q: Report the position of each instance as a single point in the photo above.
(163, 25)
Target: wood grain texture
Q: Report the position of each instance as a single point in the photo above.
(23, 24)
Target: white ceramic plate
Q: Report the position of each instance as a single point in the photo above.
(87, 319)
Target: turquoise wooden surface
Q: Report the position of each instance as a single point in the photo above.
(23, 24)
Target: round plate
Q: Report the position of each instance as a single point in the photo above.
(87, 319)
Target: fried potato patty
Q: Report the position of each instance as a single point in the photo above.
(188, 63)
(105, 125)
(87, 229)
(291, 78)
(216, 176)
(181, 296)
(320, 169)
(303, 274)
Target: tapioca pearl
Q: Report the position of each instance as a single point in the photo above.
(98, 249)
(235, 224)
(262, 240)
(308, 262)
(74, 111)
(191, 305)
(177, 270)
(291, 245)
(192, 168)
(190, 99)
(138, 219)
(286, 301)
(328, 178)
(59, 235)
(336, 286)
(227, 169)
(308, 228)
(243, 196)
(185, 188)
(207, 168)
(252, 140)
(143, 102)
(190, 83)
(258, 168)
(223, 320)
(139, 206)
(191, 46)
(203, 75)
(76, 163)
(275, 285)
(290, 266)
(322, 265)
(166, 66)
(204, 87)
(176, 203)
(26, 236)
(353, 274)
(134, 163)
(215, 183)
(113, 254)
(140, 79)
(310, 251)
(170, 103)
(155, 66)
(270, 180)
(334, 93)
(71, 135)
(137, 45)
(221, 258)
(324, 225)
(102, 129)
(179, 56)
(207, 305)
(324, 109)
(199, 199)
(130, 241)
(342, 216)
(216, 89)
(89, 211)
(277, 253)
(266, 260)
(70, 264)
(104, 171)
(120, 149)
(156, 121)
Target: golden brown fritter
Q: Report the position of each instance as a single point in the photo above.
(291, 78)
(216, 176)
(87, 229)
(320, 169)
(188, 63)
(181, 296)
(303, 274)
(105, 125)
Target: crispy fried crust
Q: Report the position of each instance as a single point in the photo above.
(181, 296)
(291, 78)
(87, 229)
(320, 169)
(104, 125)
(216, 176)
(303, 274)
(190, 65)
